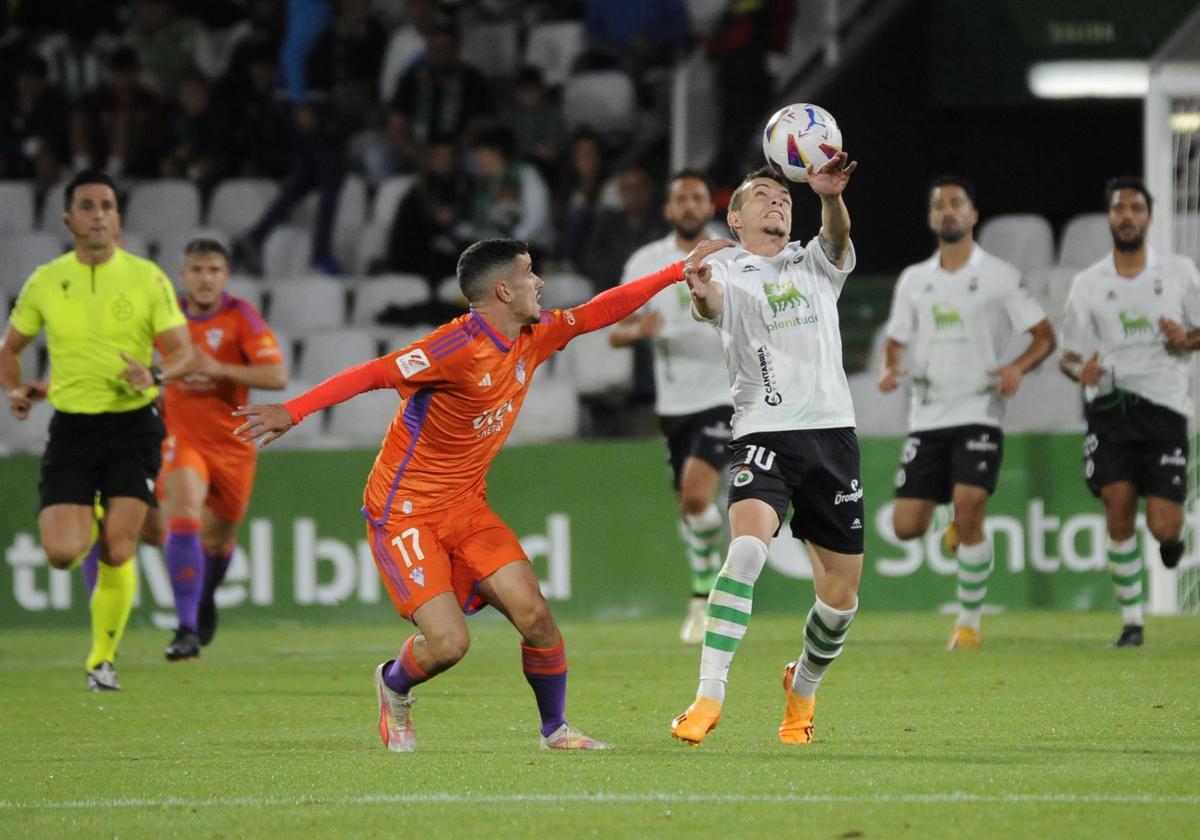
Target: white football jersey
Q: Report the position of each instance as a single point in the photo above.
(783, 347)
(1118, 317)
(957, 326)
(689, 370)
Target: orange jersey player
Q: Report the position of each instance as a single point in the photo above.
(207, 473)
(439, 547)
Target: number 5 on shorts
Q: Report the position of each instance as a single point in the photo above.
(415, 535)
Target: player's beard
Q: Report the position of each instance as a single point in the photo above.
(1127, 245)
(689, 228)
(775, 230)
(951, 235)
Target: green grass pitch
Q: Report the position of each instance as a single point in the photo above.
(1042, 733)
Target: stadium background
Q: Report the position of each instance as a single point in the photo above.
(918, 88)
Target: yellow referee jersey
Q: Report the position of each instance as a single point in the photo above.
(91, 314)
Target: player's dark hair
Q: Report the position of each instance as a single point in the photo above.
(949, 179)
(694, 174)
(479, 261)
(735, 201)
(88, 176)
(1127, 182)
(200, 247)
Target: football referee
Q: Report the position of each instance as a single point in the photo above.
(103, 311)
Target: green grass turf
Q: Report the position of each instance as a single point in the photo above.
(1044, 732)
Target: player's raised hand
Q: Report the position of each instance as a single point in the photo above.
(833, 176)
(695, 272)
(264, 423)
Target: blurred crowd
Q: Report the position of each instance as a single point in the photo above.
(567, 151)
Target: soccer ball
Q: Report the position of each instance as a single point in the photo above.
(799, 135)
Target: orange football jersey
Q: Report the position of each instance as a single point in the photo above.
(200, 407)
(463, 385)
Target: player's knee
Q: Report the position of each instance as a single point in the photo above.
(448, 648)
(692, 502)
(1165, 527)
(907, 528)
(119, 548)
(537, 625)
(61, 555)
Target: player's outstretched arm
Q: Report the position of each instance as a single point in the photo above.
(828, 183)
(20, 397)
(612, 305)
(264, 423)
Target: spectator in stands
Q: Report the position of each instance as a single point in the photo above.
(261, 30)
(508, 197)
(33, 126)
(441, 99)
(536, 121)
(259, 122)
(165, 43)
(579, 193)
(406, 47)
(422, 237)
(76, 55)
(648, 33)
(198, 134)
(120, 128)
(316, 142)
(617, 233)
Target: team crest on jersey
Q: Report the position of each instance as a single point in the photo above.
(973, 285)
(418, 575)
(1134, 322)
(214, 336)
(519, 373)
(122, 308)
(412, 362)
(1158, 287)
(946, 317)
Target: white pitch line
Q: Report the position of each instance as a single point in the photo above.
(607, 799)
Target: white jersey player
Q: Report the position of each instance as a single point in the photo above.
(691, 393)
(956, 314)
(775, 304)
(1134, 316)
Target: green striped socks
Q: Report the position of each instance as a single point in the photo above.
(701, 533)
(729, 607)
(974, 568)
(824, 635)
(1128, 574)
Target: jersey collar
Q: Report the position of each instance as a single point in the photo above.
(226, 302)
(502, 343)
(1110, 263)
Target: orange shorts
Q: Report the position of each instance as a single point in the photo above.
(450, 550)
(228, 472)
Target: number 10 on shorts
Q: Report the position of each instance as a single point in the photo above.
(413, 535)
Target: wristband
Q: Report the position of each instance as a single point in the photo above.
(156, 374)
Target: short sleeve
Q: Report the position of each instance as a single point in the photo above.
(1076, 335)
(901, 323)
(165, 311)
(1023, 309)
(258, 344)
(837, 276)
(418, 367)
(27, 317)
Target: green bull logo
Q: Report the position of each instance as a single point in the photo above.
(784, 295)
(685, 295)
(946, 317)
(1134, 322)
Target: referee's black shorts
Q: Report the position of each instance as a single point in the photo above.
(116, 454)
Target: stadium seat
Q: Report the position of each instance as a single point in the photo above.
(602, 100)
(376, 294)
(349, 219)
(23, 252)
(372, 243)
(449, 291)
(394, 338)
(28, 435)
(247, 288)
(1023, 239)
(1187, 236)
(325, 353)
(136, 243)
(237, 203)
(596, 367)
(303, 305)
(157, 208)
(553, 47)
(287, 252)
(492, 47)
(1046, 402)
(1051, 287)
(170, 247)
(364, 420)
(16, 206)
(878, 414)
(563, 290)
(310, 434)
(50, 211)
(1086, 238)
(550, 412)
